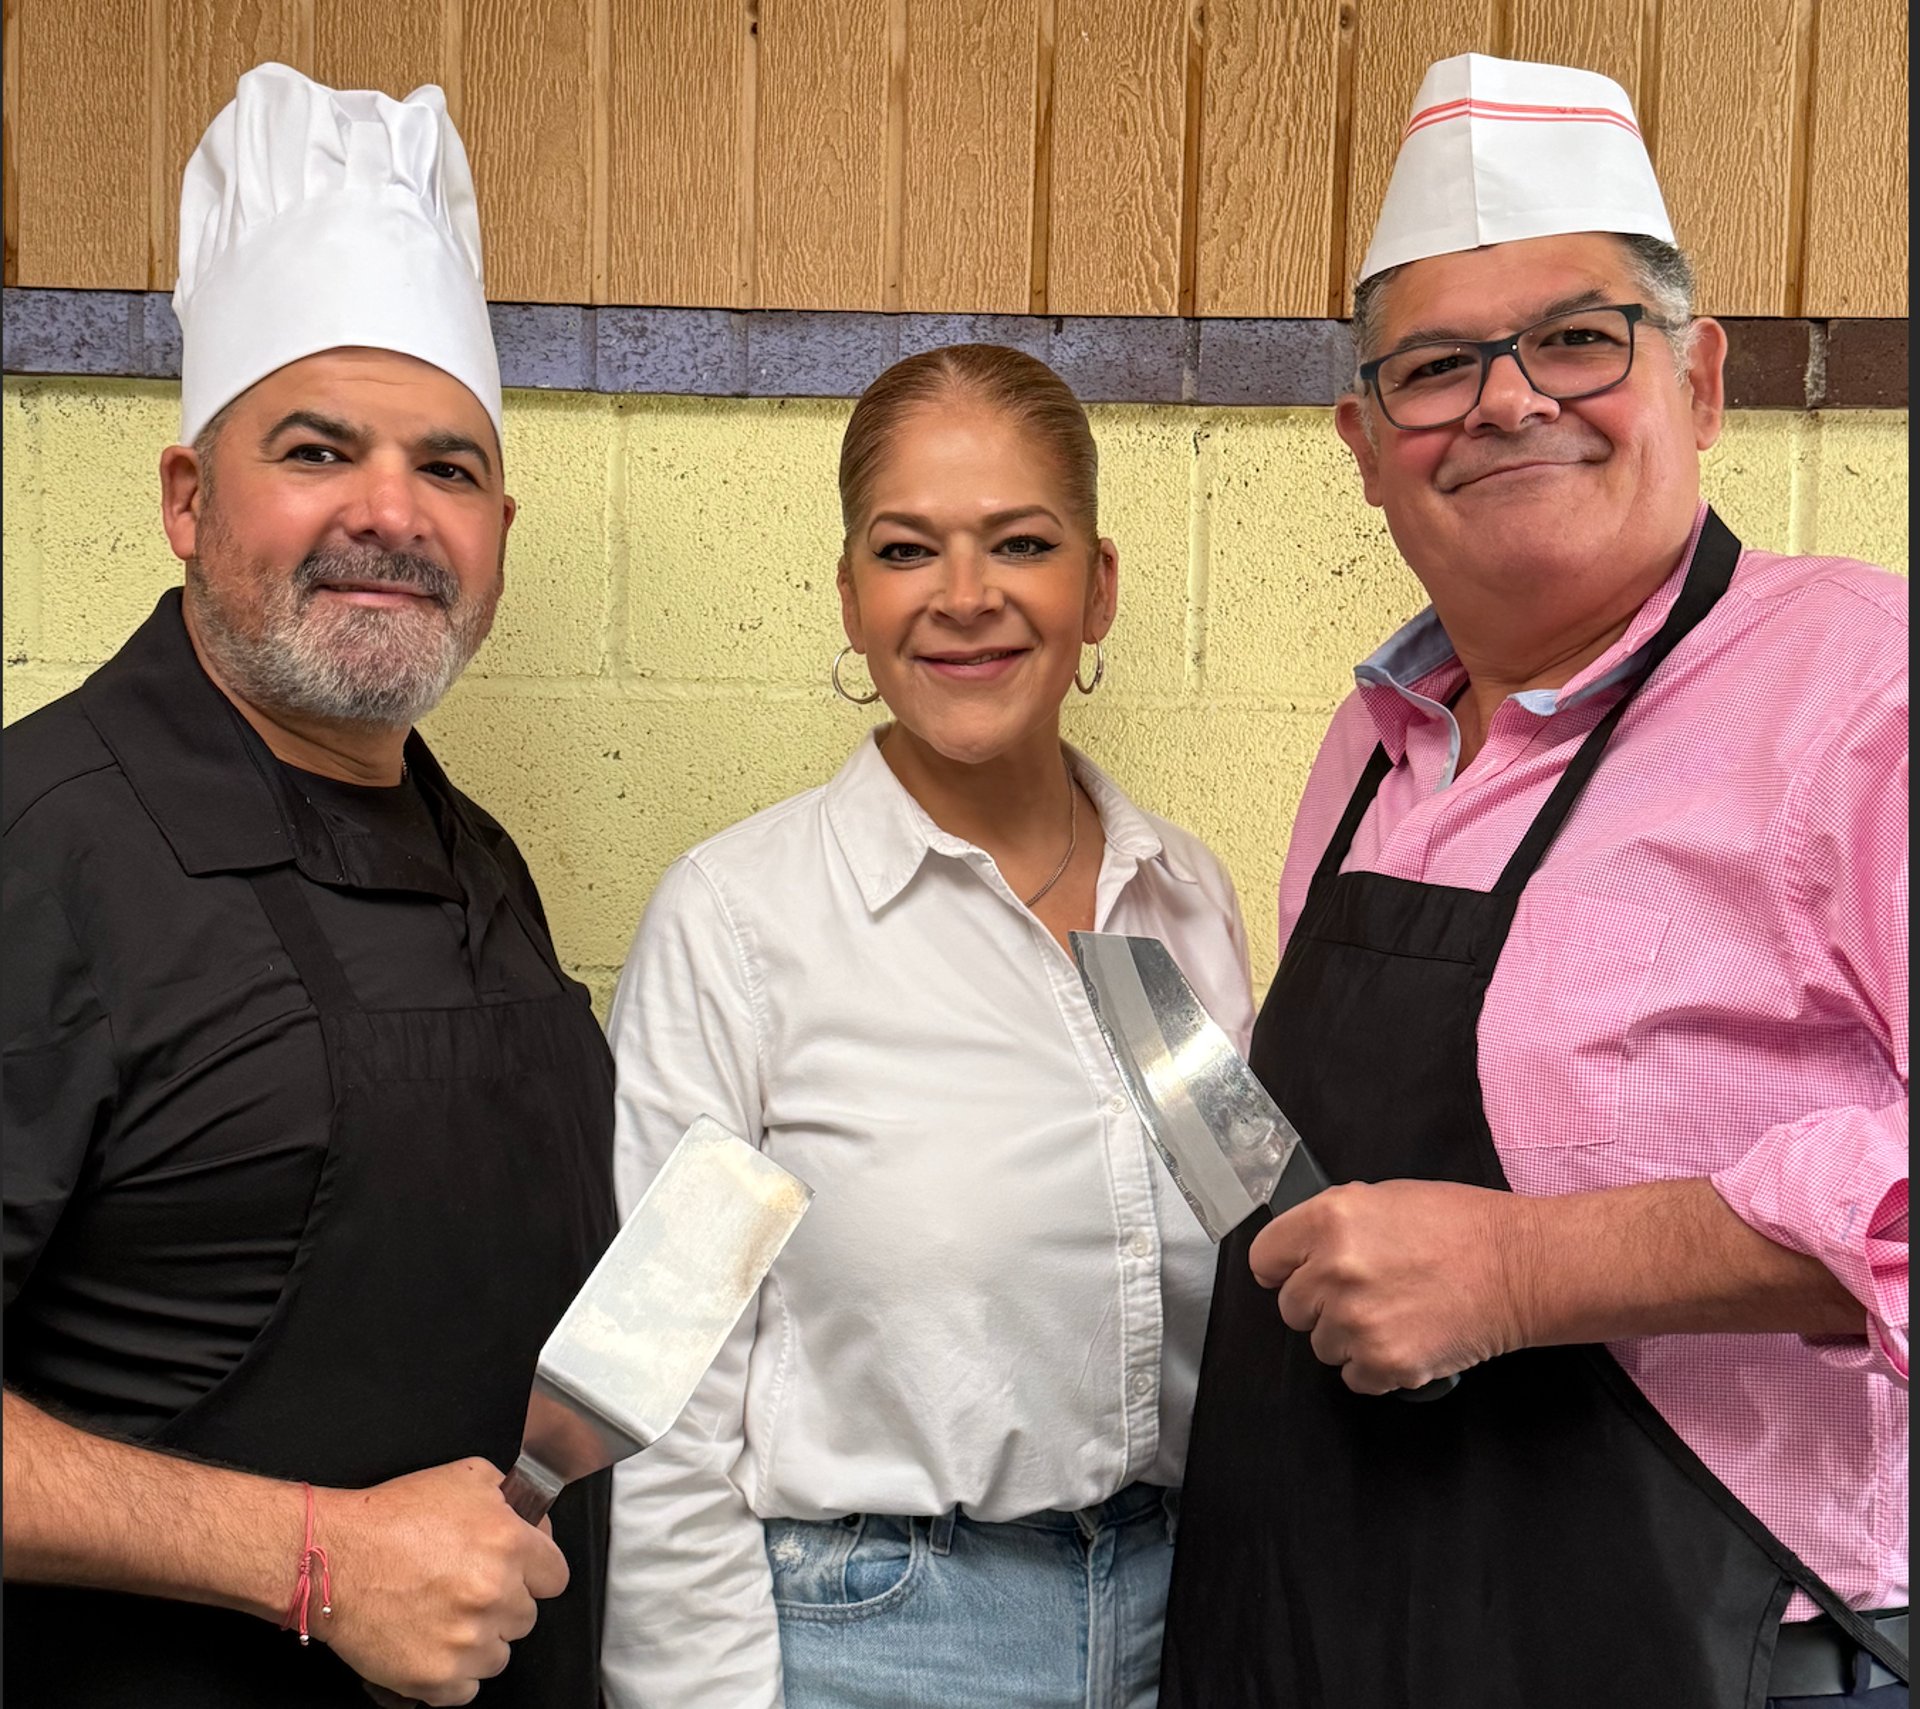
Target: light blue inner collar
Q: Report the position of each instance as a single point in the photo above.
(1420, 647)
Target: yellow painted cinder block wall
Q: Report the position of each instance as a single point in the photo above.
(659, 668)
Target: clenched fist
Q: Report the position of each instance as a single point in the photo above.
(1401, 1282)
(434, 1576)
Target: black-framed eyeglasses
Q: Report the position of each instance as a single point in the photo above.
(1566, 356)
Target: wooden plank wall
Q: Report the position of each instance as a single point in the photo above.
(1136, 157)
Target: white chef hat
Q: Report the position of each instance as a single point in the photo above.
(312, 218)
(1499, 149)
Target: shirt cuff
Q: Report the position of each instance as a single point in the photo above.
(1833, 1186)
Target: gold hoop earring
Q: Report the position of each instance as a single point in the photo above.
(839, 687)
(1099, 670)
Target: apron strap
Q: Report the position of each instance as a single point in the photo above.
(1708, 577)
(1795, 1574)
(1860, 1629)
(288, 912)
(1357, 804)
(465, 850)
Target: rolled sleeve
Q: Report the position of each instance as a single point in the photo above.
(1832, 1184)
(1834, 1187)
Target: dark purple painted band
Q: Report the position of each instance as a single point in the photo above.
(1772, 364)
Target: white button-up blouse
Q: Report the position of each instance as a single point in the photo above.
(997, 1298)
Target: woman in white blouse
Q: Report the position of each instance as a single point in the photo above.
(937, 1462)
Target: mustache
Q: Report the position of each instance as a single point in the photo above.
(391, 569)
(1472, 458)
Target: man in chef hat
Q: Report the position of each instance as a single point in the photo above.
(1594, 998)
(308, 1135)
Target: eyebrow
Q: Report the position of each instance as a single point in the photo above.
(446, 443)
(324, 425)
(996, 519)
(1587, 299)
(441, 442)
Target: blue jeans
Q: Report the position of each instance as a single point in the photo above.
(1055, 1609)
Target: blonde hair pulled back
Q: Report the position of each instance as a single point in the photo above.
(995, 376)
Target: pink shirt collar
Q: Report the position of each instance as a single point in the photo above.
(1416, 672)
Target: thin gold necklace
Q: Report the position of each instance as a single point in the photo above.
(1073, 841)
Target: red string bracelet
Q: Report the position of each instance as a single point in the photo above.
(303, 1587)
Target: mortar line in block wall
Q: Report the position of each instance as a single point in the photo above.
(615, 634)
(33, 500)
(656, 691)
(1199, 541)
(1803, 494)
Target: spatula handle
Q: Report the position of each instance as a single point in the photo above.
(1298, 1182)
(530, 1489)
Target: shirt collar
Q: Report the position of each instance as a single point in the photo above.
(1415, 673)
(886, 835)
(202, 772)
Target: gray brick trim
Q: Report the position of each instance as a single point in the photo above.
(1772, 364)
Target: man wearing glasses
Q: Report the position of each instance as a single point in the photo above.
(1594, 1003)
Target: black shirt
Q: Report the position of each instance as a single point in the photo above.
(166, 1092)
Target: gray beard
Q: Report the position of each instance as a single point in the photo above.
(346, 664)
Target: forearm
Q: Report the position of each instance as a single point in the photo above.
(1665, 1258)
(84, 1510)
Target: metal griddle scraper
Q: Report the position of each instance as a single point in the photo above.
(626, 1356)
(628, 1353)
(1216, 1127)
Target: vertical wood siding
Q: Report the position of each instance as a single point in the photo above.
(1271, 169)
(1128, 157)
(1854, 249)
(1117, 136)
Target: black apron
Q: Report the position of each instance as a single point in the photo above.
(1541, 1536)
(466, 1193)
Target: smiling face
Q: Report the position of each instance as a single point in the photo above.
(344, 538)
(1578, 507)
(971, 583)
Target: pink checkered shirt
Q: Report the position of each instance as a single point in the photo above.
(1708, 976)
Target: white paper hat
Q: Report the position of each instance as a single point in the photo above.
(1499, 149)
(312, 218)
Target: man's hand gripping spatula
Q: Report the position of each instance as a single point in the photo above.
(627, 1355)
(1221, 1136)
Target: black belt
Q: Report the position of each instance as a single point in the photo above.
(1814, 1658)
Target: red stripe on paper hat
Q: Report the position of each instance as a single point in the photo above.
(1528, 113)
(1500, 151)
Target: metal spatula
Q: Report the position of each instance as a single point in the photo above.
(1217, 1129)
(628, 1353)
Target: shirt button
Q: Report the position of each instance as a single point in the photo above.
(1139, 1382)
(1141, 1245)
(1117, 1104)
